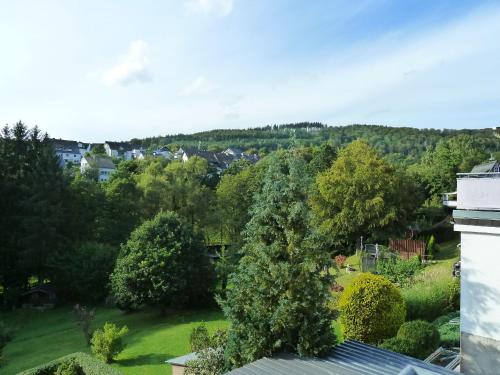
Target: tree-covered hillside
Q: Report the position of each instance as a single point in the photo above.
(404, 143)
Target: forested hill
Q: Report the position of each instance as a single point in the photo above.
(407, 144)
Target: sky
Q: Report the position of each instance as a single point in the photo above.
(117, 69)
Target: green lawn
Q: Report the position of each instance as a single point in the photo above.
(152, 339)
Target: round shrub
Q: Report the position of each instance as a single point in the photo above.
(371, 309)
(423, 335)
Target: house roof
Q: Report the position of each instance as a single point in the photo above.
(46, 288)
(120, 146)
(485, 167)
(65, 146)
(348, 358)
(182, 360)
(100, 162)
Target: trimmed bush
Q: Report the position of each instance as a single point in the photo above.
(398, 345)
(89, 366)
(371, 309)
(107, 342)
(423, 335)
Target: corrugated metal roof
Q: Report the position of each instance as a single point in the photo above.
(181, 361)
(348, 358)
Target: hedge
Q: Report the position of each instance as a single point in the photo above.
(89, 365)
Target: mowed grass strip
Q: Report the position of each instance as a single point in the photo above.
(152, 339)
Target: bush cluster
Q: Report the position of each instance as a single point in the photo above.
(416, 338)
(371, 309)
(399, 271)
(89, 366)
(209, 351)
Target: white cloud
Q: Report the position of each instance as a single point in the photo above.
(428, 72)
(200, 86)
(134, 66)
(219, 7)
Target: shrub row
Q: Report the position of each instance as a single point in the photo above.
(88, 364)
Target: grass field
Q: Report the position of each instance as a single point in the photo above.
(152, 339)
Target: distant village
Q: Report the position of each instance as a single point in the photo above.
(73, 153)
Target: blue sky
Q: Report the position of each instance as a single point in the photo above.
(99, 70)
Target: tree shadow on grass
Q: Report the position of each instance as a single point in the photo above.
(144, 359)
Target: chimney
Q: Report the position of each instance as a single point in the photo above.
(477, 218)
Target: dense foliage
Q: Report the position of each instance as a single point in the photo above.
(399, 271)
(402, 144)
(429, 298)
(371, 309)
(277, 299)
(88, 364)
(416, 338)
(209, 350)
(362, 195)
(164, 264)
(82, 273)
(449, 329)
(32, 223)
(107, 342)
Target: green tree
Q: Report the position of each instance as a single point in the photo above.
(33, 192)
(164, 264)
(277, 299)
(322, 158)
(362, 195)
(234, 197)
(371, 309)
(122, 212)
(178, 187)
(81, 273)
(439, 166)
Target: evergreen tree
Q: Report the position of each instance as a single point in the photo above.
(277, 298)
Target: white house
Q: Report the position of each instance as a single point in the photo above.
(104, 166)
(477, 218)
(120, 150)
(163, 152)
(67, 151)
(139, 154)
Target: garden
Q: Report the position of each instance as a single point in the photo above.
(412, 309)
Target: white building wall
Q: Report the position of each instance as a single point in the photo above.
(480, 282)
(478, 193)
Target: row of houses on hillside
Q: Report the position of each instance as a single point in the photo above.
(218, 160)
(77, 153)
